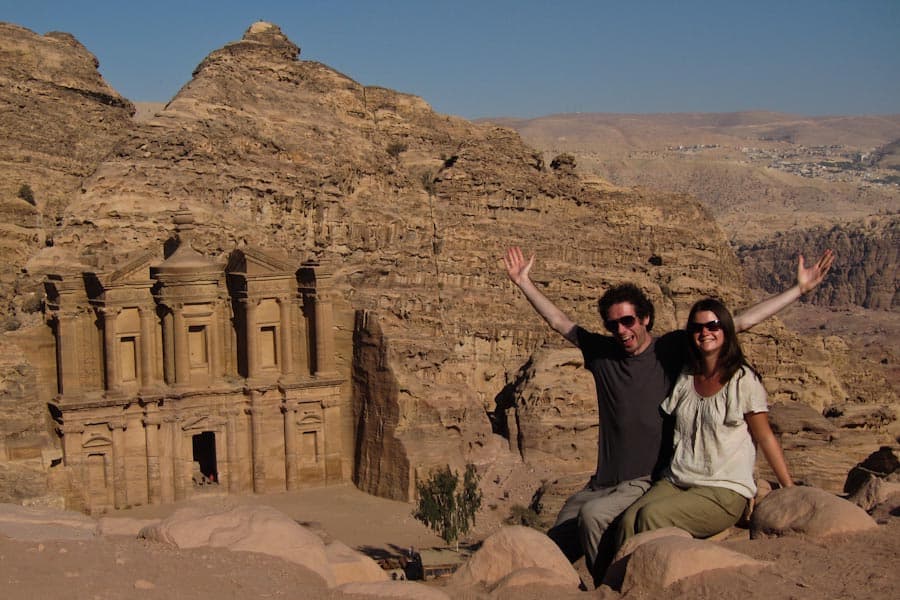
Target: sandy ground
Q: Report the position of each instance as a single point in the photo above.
(843, 566)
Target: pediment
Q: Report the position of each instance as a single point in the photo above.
(134, 270)
(255, 262)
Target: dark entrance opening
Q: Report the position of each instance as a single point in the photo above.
(205, 458)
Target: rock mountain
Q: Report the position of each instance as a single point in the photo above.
(410, 210)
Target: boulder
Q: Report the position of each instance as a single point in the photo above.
(806, 511)
(42, 524)
(123, 525)
(511, 549)
(348, 565)
(244, 528)
(403, 590)
(882, 463)
(874, 492)
(615, 574)
(660, 562)
(533, 576)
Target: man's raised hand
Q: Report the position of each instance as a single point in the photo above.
(517, 267)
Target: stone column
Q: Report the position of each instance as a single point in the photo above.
(287, 336)
(302, 340)
(324, 334)
(292, 468)
(331, 444)
(148, 376)
(154, 476)
(256, 442)
(233, 459)
(182, 357)
(111, 352)
(215, 347)
(72, 443)
(67, 350)
(252, 336)
(180, 482)
(120, 484)
(169, 348)
(167, 460)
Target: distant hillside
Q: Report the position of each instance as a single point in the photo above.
(758, 172)
(866, 272)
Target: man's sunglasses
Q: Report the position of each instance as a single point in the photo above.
(612, 325)
(711, 326)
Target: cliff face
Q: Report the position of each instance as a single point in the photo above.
(59, 119)
(412, 210)
(865, 273)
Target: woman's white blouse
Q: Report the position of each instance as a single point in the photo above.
(713, 446)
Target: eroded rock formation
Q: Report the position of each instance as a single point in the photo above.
(412, 209)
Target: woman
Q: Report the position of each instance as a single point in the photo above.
(719, 409)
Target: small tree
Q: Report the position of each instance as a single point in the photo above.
(26, 194)
(447, 511)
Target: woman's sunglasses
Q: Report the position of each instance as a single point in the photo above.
(711, 326)
(612, 325)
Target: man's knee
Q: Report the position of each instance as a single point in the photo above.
(596, 515)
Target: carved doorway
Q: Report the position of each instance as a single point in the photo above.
(205, 458)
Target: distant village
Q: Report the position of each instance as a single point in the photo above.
(833, 163)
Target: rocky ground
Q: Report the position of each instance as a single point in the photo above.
(111, 567)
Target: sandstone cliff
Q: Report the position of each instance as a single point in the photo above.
(412, 210)
(865, 273)
(60, 118)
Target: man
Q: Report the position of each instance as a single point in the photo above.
(633, 372)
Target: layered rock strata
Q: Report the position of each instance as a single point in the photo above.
(412, 210)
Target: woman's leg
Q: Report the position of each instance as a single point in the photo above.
(702, 511)
(661, 493)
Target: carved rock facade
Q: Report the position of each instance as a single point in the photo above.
(181, 374)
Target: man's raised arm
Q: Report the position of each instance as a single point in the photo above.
(518, 270)
(807, 279)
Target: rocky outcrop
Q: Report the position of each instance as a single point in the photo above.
(664, 557)
(865, 272)
(511, 550)
(61, 119)
(806, 511)
(411, 209)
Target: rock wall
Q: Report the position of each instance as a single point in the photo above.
(60, 119)
(411, 210)
(865, 272)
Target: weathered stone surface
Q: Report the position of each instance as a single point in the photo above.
(402, 590)
(62, 119)
(348, 565)
(533, 576)
(794, 417)
(882, 463)
(866, 269)
(807, 511)
(244, 528)
(412, 208)
(509, 550)
(41, 524)
(124, 525)
(661, 562)
(615, 574)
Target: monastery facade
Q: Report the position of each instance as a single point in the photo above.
(187, 375)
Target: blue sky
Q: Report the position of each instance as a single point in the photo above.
(523, 58)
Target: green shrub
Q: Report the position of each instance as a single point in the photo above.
(449, 512)
(395, 149)
(524, 515)
(26, 194)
